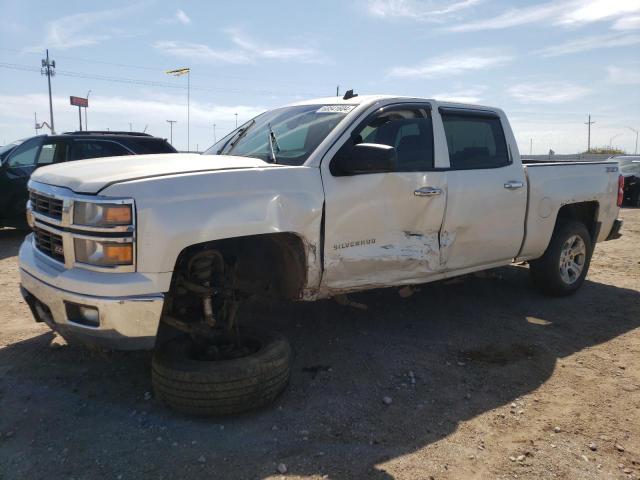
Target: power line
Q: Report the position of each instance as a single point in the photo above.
(149, 83)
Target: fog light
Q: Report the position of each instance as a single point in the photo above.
(82, 314)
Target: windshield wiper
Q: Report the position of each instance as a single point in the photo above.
(273, 144)
(236, 138)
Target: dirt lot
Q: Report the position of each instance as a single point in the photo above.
(487, 379)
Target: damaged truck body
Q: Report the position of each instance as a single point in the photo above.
(304, 202)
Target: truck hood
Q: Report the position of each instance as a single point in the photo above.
(91, 176)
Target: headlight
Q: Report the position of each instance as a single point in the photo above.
(103, 254)
(101, 214)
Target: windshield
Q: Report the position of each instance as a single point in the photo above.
(8, 147)
(630, 165)
(294, 133)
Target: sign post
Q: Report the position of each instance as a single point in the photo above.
(80, 103)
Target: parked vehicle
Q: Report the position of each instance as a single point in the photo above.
(630, 170)
(22, 158)
(5, 150)
(310, 201)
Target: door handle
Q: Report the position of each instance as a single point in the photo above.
(513, 185)
(427, 192)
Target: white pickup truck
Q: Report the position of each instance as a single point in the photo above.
(309, 201)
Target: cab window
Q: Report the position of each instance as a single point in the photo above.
(475, 140)
(25, 155)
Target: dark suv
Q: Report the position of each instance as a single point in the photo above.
(35, 152)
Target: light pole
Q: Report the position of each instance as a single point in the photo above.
(214, 133)
(612, 139)
(177, 73)
(636, 131)
(171, 122)
(86, 124)
(589, 123)
(236, 119)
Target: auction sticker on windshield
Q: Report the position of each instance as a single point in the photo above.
(336, 109)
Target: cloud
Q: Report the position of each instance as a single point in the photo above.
(547, 92)
(627, 23)
(453, 64)
(182, 17)
(624, 76)
(83, 29)
(468, 95)
(200, 52)
(566, 13)
(246, 50)
(416, 9)
(591, 43)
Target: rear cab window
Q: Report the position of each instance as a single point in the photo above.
(475, 139)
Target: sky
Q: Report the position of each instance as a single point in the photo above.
(548, 64)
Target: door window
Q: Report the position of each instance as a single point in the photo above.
(475, 141)
(409, 130)
(25, 155)
(83, 149)
(52, 153)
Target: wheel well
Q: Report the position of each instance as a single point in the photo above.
(584, 212)
(271, 265)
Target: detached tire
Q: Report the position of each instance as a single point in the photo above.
(224, 387)
(564, 266)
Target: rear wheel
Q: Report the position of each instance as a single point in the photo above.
(234, 374)
(564, 266)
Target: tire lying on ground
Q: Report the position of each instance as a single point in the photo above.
(564, 265)
(222, 387)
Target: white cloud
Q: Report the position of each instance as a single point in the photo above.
(594, 42)
(416, 9)
(182, 17)
(627, 23)
(83, 29)
(567, 13)
(467, 95)
(200, 52)
(453, 64)
(247, 51)
(629, 75)
(547, 92)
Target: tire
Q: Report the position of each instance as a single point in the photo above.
(224, 387)
(547, 272)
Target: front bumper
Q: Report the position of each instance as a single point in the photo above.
(125, 323)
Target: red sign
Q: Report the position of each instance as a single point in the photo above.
(79, 101)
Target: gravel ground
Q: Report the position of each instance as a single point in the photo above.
(476, 378)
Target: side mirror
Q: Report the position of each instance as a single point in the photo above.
(365, 158)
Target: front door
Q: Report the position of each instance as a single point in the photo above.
(382, 228)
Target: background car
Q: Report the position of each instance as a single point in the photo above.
(20, 161)
(5, 150)
(630, 170)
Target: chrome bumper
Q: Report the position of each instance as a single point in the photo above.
(125, 323)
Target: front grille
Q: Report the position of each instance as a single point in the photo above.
(51, 207)
(49, 243)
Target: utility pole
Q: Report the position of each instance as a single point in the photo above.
(589, 123)
(171, 122)
(236, 119)
(635, 130)
(35, 121)
(48, 69)
(531, 147)
(214, 134)
(86, 124)
(337, 90)
(130, 127)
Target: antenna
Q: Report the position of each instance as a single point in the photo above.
(349, 95)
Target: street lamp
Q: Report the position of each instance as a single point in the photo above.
(171, 122)
(636, 131)
(178, 72)
(612, 139)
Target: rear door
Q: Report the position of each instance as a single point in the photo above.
(487, 195)
(15, 174)
(382, 228)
